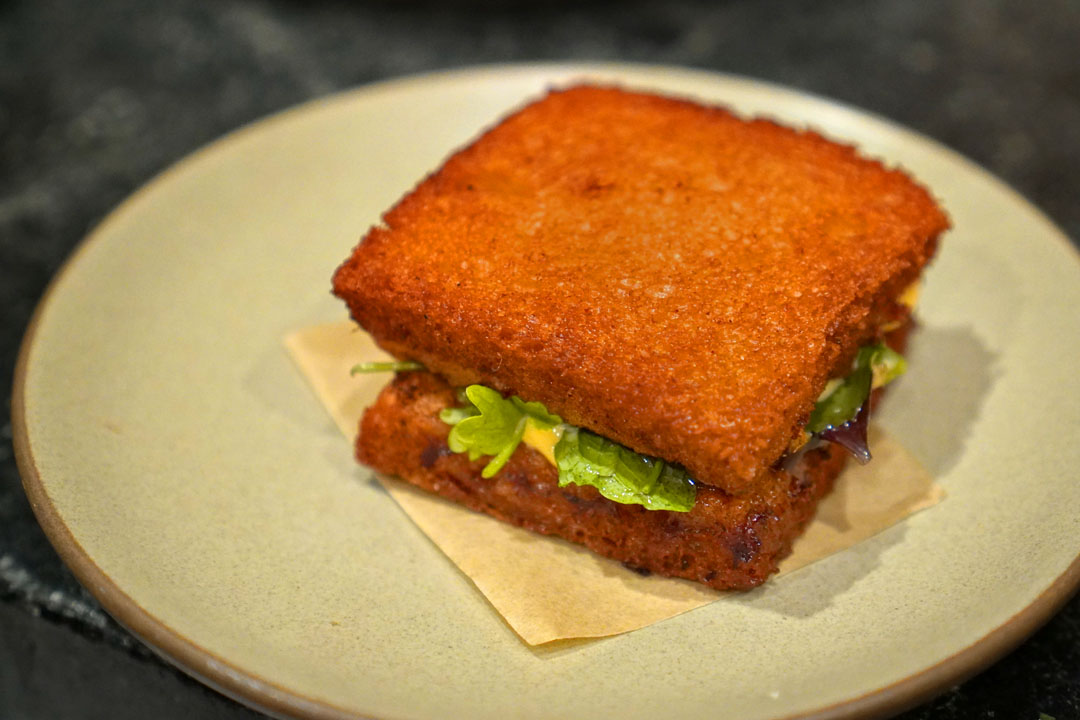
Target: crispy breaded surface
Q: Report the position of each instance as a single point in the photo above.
(663, 273)
(725, 542)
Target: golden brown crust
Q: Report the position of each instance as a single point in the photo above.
(660, 272)
(725, 542)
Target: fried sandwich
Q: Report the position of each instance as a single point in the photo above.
(642, 324)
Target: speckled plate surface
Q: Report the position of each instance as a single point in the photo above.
(194, 484)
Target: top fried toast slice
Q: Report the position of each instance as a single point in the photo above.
(661, 272)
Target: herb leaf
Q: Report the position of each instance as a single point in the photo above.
(393, 366)
(875, 365)
(843, 403)
(620, 474)
(537, 413)
(494, 430)
(886, 364)
(490, 424)
(454, 415)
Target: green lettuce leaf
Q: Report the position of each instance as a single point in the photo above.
(875, 366)
(620, 474)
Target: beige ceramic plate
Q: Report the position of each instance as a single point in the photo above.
(195, 485)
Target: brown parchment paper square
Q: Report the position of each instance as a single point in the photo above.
(548, 589)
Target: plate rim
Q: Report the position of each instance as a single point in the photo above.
(268, 697)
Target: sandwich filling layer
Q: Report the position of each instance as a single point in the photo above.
(487, 424)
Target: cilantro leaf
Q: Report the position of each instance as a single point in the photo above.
(490, 424)
(620, 474)
(537, 413)
(393, 366)
(452, 416)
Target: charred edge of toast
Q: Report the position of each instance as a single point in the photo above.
(725, 542)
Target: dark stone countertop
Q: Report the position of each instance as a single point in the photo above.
(96, 98)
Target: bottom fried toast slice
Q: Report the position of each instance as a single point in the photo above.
(725, 542)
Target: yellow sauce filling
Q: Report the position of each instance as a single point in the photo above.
(910, 296)
(543, 441)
